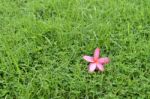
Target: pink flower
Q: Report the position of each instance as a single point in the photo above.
(96, 62)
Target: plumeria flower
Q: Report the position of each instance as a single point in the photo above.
(96, 63)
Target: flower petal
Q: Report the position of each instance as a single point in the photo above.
(96, 53)
(100, 67)
(104, 60)
(92, 67)
(88, 58)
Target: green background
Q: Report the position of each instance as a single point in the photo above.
(42, 43)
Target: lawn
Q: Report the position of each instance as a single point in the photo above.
(42, 43)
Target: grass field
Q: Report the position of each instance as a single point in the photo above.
(42, 43)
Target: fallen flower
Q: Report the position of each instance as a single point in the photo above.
(96, 63)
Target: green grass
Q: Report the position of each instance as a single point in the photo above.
(42, 43)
